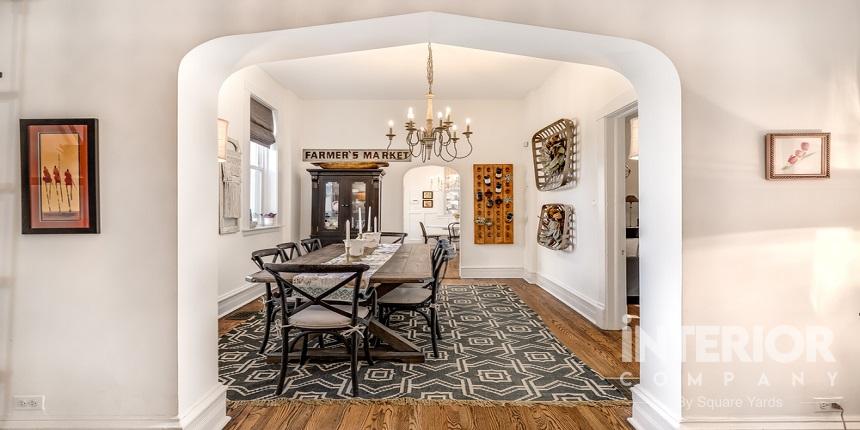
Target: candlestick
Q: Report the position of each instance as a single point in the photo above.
(359, 222)
(368, 218)
(375, 225)
(347, 233)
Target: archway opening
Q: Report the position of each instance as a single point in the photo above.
(653, 76)
(432, 198)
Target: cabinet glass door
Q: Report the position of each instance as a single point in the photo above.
(331, 205)
(358, 203)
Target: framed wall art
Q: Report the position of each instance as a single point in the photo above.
(59, 176)
(427, 204)
(427, 195)
(797, 155)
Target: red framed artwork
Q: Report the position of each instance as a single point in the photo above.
(59, 176)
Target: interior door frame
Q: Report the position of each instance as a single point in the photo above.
(614, 126)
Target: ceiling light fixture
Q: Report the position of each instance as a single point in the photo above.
(440, 138)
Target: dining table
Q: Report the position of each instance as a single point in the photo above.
(404, 263)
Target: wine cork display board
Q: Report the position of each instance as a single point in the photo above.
(494, 203)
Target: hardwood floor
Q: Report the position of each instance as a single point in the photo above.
(601, 350)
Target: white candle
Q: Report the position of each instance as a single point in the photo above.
(375, 225)
(368, 218)
(359, 222)
(347, 233)
(410, 115)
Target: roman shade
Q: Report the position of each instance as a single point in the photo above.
(262, 123)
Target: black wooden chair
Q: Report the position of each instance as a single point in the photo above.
(435, 237)
(272, 304)
(420, 300)
(398, 236)
(289, 250)
(454, 233)
(311, 245)
(345, 322)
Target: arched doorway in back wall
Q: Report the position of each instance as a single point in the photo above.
(656, 82)
(431, 195)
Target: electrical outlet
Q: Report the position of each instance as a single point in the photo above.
(29, 403)
(827, 404)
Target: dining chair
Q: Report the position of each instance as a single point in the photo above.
(311, 244)
(316, 316)
(428, 236)
(272, 304)
(289, 250)
(454, 233)
(399, 236)
(420, 300)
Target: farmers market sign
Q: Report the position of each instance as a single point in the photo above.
(332, 155)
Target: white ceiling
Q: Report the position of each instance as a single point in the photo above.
(400, 73)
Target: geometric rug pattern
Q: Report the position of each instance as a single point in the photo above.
(493, 348)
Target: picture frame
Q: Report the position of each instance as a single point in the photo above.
(427, 204)
(797, 156)
(427, 195)
(59, 176)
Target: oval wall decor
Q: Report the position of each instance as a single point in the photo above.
(554, 150)
(555, 226)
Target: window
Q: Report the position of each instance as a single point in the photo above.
(262, 167)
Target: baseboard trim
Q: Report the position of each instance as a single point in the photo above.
(829, 421)
(90, 423)
(648, 414)
(491, 272)
(235, 299)
(209, 413)
(591, 310)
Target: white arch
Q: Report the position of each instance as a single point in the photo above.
(652, 74)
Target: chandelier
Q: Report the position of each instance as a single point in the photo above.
(434, 138)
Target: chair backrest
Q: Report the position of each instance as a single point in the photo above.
(397, 235)
(309, 298)
(289, 250)
(454, 230)
(423, 230)
(442, 253)
(311, 245)
(259, 257)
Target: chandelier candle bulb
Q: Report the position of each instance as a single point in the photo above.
(410, 114)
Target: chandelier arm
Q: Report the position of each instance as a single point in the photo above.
(469, 141)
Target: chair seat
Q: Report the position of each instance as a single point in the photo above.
(261, 277)
(406, 296)
(316, 317)
(412, 285)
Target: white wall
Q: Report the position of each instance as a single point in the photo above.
(576, 276)
(234, 250)
(363, 124)
(746, 67)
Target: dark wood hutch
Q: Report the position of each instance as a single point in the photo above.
(337, 195)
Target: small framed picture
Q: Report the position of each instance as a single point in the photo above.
(59, 176)
(797, 155)
(427, 195)
(427, 203)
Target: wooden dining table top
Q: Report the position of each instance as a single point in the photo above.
(411, 263)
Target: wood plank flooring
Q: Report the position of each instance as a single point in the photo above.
(601, 350)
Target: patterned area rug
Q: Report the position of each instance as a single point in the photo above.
(494, 349)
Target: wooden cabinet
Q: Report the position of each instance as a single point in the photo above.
(338, 195)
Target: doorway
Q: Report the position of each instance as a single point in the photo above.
(657, 84)
(431, 196)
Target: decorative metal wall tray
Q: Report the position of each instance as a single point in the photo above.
(554, 150)
(555, 226)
